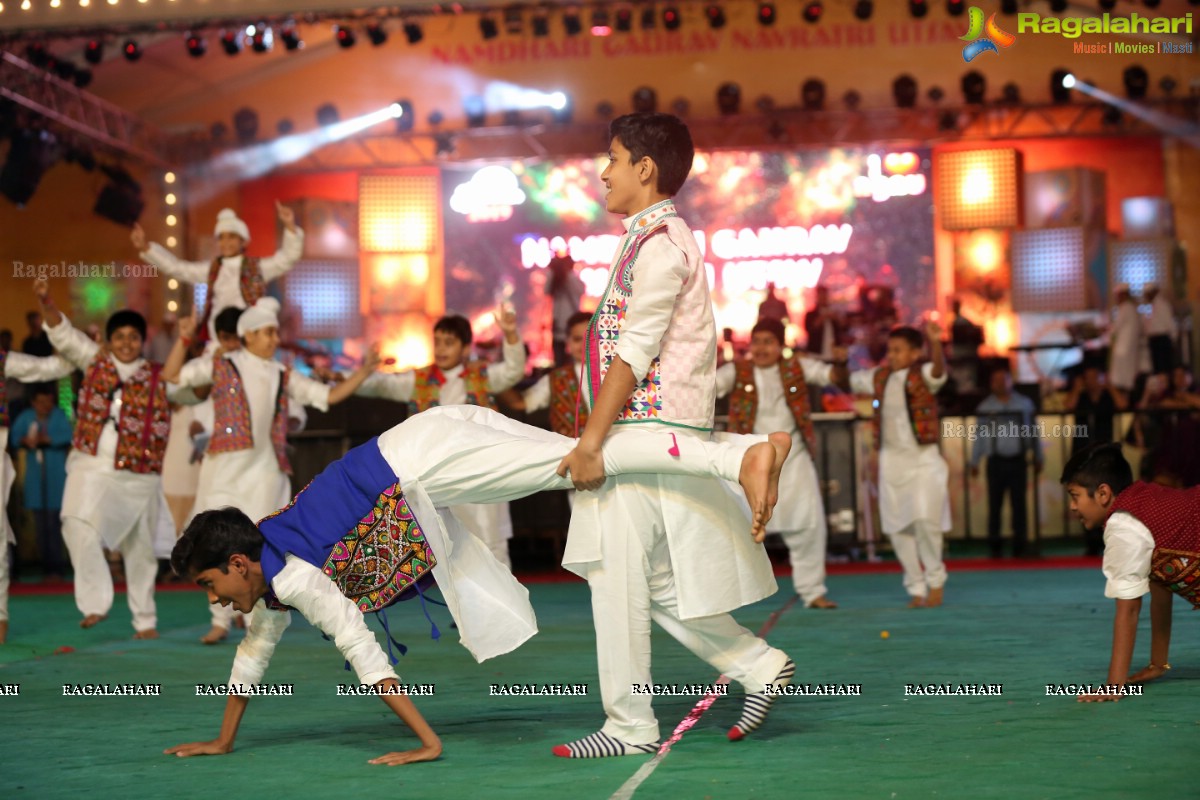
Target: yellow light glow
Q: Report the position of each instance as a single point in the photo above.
(409, 342)
(113, 2)
(984, 251)
(169, 177)
(172, 284)
(84, 3)
(26, 5)
(977, 186)
(1002, 332)
(170, 198)
(172, 219)
(55, 3)
(172, 306)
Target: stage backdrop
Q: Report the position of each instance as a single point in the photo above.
(843, 218)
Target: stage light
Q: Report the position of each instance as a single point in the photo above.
(918, 8)
(284, 126)
(435, 118)
(671, 18)
(1008, 7)
(813, 12)
(514, 23)
(1152, 3)
(93, 53)
(1108, 5)
(766, 14)
(935, 94)
(645, 99)
(475, 111)
(245, 125)
(680, 107)
(262, 39)
(649, 18)
(37, 54)
(83, 77)
(196, 45)
(1069, 81)
(376, 33)
(1137, 81)
(600, 26)
(716, 16)
(1167, 85)
(974, 88)
(1112, 117)
(443, 145)
(955, 7)
(65, 70)
(1060, 92)
(624, 20)
(540, 24)
(863, 9)
(852, 100)
(344, 36)
(729, 98)
(406, 117)
(561, 108)
(572, 22)
(1010, 94)
(605, 110)
(904, 90)
(121, 198)
(1058, 6)
(231, 41)
(132, 50)
(812, 95)
(291, 38)
(327, 114)
(31, 153)
(414, 34)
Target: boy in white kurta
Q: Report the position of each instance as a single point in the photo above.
(366, 533)
(451, 380)
(26, 369)
(246, 465)
(668, 548)
(914, 500)
(113, 495)
(770, 393)
(232, 278)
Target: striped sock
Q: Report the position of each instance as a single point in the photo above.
(601, 745)
(758, 705)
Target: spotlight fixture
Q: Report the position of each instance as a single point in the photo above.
(645, 99)
(974, 88)
(488, 28)
(1008, 7)
(852, 100)
(624, 20)
(262, 39)
(435, 118)
(600, 26)
(291, 38)
(813, 12)
(376, 33)
(1059, 93)
(1058, 6)
(83, 77)
(37, 54)
(196, 45)
(671, 18)
(132, 50)
(572, 22)
(475, 111)
(1167, 85)
(65, 70)
(344, 36)
(540, 23)
(766, 14)
(407, 118)
(121, 198)
(514, 21)
(1010, 94)
(605, 110)
(564, 113)
(443, 144)
(31, 153)
(1152, 3)
(284, 126)
(231, 41)
(217, 132)
(680, 107)
(812, 94)
(955, 8)
(1137, 81)
(935, 94)
(863, 9)
(1108, 5)
(918, 8)
(1112, 117)
(93, 52)
(414, 34)
(765, 104)
(716, 16)
(729, 98)
(649, 18)
(904, 91)
(327, 114)
(245, 125)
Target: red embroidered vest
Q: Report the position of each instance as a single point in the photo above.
(231, 414)
(1173, 518)
(922, 405)
(743, 401)
(3, 392)
(568, 413)
(250, 278)
(428, 390)
(145, 419)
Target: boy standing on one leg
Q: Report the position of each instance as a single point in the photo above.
(664, 548)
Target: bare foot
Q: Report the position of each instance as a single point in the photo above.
(3, 630)
(935, 598)
(150, 634)
(759, 479)
(92, 619)
(215, 634)
(822, 602)
(917, 602)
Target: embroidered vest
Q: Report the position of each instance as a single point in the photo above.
(145, 419)
(231, 414)
(429, 381)
(568, 413)
(3, 392)
(743, 401)
(920, 402)
(250, 280)
(1173, 518)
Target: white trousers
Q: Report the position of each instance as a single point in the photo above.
(3, 574)
(634, 584)
(93, 581)
(918, 548)
(491, 523)
(806, 551)
(806, 534)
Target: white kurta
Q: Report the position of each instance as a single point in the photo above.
(537, 397)
(227, 288)
(251, 479)
(1126, 344)
(1128, 553)
(1161, 320)
(912, 477)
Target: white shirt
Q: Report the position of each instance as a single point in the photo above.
(773, 412)
(538, 397)
(897, 427)
(400, 386)
(1161, 320)
(1128, 547)
(36, 369)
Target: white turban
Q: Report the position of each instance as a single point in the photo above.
(228, 222)
(262, 314)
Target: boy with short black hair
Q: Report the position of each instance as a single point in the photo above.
(914, 499)
(1151, 544)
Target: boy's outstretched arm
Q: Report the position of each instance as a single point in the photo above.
(346, 388)
(1124, 633)
(406, 710)
(586, 461)
(1161, 599)
(235, 707)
